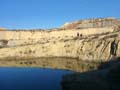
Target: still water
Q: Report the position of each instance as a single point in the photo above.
(31, 78)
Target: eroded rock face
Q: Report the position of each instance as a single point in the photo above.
(92, 23)
(100, 47)
(89, 48)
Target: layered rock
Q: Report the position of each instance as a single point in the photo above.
(93, 48)
(92, 23)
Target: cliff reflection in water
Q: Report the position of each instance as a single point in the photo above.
(55, 63)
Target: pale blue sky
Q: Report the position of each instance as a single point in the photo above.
(32, 14)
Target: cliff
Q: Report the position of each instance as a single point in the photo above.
(93, 48)
(92, 23)
(91, 45)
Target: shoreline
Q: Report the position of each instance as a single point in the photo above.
(54, 63)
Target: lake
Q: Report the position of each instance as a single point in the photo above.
(31, 78)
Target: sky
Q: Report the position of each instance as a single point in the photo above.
(44, 14)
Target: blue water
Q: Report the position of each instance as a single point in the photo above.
(31, 78)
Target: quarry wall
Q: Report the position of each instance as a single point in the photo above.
(92, 48)
(28, 37)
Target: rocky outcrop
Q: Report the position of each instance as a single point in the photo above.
(92, 23)
(99, 47)
(92, 48)
(87, 48)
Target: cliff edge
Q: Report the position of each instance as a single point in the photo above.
(92, 23)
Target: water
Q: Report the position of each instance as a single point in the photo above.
(31, 78)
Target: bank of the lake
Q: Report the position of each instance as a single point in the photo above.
(73, 64)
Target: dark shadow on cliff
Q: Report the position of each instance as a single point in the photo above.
(110, 63)
(107, 77)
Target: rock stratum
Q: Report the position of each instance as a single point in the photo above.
(88, 44)
(92, 23)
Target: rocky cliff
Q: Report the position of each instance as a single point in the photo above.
(92, 23)
(93, 45)
(93, 48)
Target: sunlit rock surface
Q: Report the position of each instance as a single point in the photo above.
(89, 44)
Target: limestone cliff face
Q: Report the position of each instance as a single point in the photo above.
(87, 48)
(69, 30)
(100, 47)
